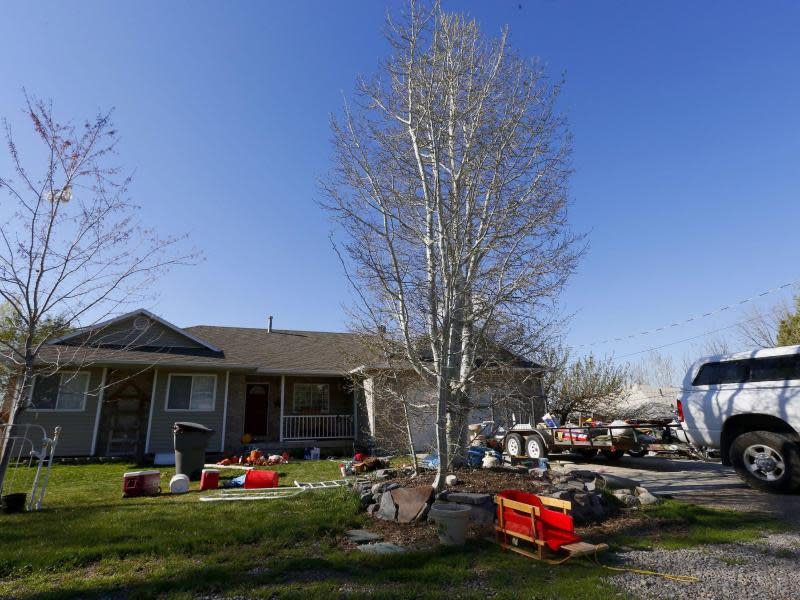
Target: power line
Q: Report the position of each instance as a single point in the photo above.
(694, 337)
(691, 319)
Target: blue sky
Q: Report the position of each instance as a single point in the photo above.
(685, 120)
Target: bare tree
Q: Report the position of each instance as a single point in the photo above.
(450, 185)
(656, 370)
(587, 385)
(72, 251)
(760, 327)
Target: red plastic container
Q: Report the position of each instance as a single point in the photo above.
(209, 479)
(141, 483)
(260, 479)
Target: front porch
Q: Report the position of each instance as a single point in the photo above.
(294, 411)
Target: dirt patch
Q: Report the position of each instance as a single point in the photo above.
(485, 481)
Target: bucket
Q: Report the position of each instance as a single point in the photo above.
(209, 479)
(451, 522)
(179, 484)
(255, 479)
(13, 503)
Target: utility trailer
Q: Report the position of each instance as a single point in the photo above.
(525, 439)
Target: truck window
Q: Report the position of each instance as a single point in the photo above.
(775, 368)
(731, 371)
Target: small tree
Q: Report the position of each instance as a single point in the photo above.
(71, 250)
(789, 327)
(586, 386)
(450, 185)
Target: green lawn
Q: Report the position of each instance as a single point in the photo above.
(90, 542)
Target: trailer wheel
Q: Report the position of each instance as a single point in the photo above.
(613, 454)
(535, 447)
(513, 444)
(638, 451)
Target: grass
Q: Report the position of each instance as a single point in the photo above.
(677, 525)
(91, 543)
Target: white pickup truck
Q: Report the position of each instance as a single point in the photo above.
(748, 406)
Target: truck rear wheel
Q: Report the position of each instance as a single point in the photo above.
(535, 447)
(513, 445)
(767, 461)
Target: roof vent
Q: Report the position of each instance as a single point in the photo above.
(269, 327)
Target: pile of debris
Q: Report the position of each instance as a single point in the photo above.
(408, 500)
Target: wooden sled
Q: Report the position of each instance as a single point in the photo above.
(543, 524)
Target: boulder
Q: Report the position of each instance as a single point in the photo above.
(626, 498)
(614, 482)
(367, 498)
(648, 498)
(385, 473)
(376, 497)
(387, 509)
(411, 502)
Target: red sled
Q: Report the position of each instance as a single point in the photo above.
(543, 522)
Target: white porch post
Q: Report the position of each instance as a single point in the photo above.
(150, 418)
(355, 412)
(100, 398)
(224, 411)
(283, 386)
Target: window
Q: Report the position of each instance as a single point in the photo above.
(311, 397)
(732, 371)
(191, 392)
(62, 391)
(775, 368)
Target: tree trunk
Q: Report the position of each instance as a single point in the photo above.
(443, 393)
(17, 407)
(457, 426)
(410, 435)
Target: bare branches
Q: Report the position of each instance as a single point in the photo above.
(450, 184)
(72, 251)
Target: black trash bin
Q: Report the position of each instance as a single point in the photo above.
(191, 441)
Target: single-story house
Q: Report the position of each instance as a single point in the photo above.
(121, 385)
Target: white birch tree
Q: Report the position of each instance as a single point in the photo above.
(450, 186)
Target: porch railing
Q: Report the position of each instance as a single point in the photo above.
(317, 427)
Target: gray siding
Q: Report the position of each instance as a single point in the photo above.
(161, 423)
(77, 427)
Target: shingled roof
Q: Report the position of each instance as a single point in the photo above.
(286, 351)
(241, 348)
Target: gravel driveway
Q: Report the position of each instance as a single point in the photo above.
(763, 570)
(708, 484)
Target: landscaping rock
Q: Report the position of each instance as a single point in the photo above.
(380, 548)
(387, 509)
(614, 482)
(372, 509)
(411, 502)
(376, 498)
(367, 498)
(648, 498)
(385, 473)
(469, 498)
(451, 480)
(626, 498)
(362, 536)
